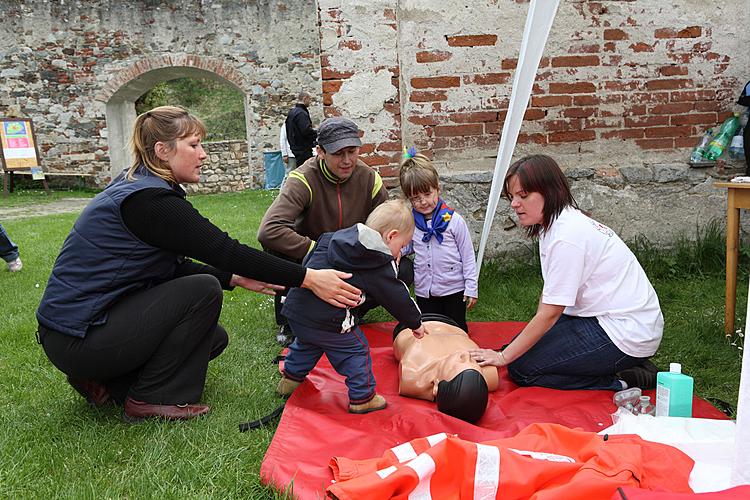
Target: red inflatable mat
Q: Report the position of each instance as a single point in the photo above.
(316, 426)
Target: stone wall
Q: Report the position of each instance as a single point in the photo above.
(226, 168)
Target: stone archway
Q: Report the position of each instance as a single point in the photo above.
(127, 85)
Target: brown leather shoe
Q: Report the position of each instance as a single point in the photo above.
(94, 392)
(135, 411)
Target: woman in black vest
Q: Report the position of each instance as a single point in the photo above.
(126, 315)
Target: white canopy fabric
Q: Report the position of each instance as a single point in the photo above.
(538, 23)
(741, 463)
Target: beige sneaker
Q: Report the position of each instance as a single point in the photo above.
(376, 403)
(286, 386)
(15, 265)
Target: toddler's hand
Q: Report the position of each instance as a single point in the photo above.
(470, 301)
(420, 332)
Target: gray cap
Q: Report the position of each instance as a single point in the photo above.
(337, 133)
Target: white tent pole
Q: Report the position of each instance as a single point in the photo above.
(538, 23)
(741, 462)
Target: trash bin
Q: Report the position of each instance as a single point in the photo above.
(274, 167)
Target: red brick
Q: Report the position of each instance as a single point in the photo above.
(350, 44)
(428, 56)
(487, 78)
(329, 111)
(707, 106)
(572, 88)
(641, 47)
(665, 33)
(366, 148)
(685, 142)
(431, 120)
(428, 96)
(435, 82)
(690, 32)
(578, 112)
(375, 159)
(673, 70)
(471, 40)
(389, 14)
(545, 101)
(574, 61)
(473, 117)
(635, 109)
(332, 74)
(671, 108)
(646, 121)
(609, 46)
(584, 48)
(332, 86)
(678, 83)
(532, 138)
(628, 133)
(655, 143)
(615, 34)
(457, 130)
(389, 146)
(572, 136)
(694, 119)
(509, 63)
(585, 100)
(533, 114)
(680, 131)
(695, 95)
(622, 85)
(493, 127)
(324, 61)
(327, 99)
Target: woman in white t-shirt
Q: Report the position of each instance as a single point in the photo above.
(598, 320)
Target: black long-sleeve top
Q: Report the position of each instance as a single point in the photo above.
(164, 219)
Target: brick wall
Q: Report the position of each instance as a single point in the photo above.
(620, 81)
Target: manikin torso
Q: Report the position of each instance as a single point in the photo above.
(439, 355)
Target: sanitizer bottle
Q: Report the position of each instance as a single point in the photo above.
(674, 393)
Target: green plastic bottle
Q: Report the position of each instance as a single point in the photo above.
(724, 137)
(674, 393)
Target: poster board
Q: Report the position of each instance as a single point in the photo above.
(18, 147)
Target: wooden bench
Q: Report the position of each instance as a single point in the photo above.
(9, 182)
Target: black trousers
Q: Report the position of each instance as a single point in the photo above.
(746, 139)
(154, 347)
(302, 156)
(451, 305)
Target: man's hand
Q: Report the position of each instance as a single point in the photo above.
(254, 285)
(329, 285)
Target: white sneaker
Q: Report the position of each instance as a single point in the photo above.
(15, 265)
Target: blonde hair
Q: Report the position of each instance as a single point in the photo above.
(393, 214)
(417, 175)
(164, 124)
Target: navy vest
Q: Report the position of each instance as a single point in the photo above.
(101, 261)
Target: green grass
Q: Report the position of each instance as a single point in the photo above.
(32, 196)
(53, 445)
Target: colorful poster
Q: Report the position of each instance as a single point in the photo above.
(18, 146)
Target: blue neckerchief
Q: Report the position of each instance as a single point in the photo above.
(441, 217)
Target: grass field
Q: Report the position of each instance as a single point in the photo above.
(53, 445)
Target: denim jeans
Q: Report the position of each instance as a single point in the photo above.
(8, 249)
(576, 353)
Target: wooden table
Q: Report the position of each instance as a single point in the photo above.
(738, 196)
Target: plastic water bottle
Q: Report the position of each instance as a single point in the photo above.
(737, 147)
(645, 407)
(724, 137)
(699, 151)
(674, 393)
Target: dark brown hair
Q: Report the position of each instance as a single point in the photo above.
(541, 174)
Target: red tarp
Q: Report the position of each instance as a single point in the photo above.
(316, 426)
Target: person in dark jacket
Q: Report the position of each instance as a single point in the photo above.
(370, 252)
(125, 314)
(299, 130)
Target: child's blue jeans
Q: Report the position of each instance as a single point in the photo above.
(348, 353)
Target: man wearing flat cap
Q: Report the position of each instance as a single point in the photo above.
(330, 191)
